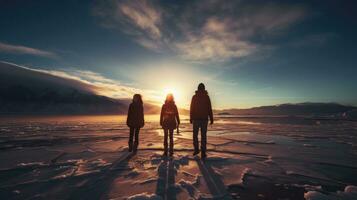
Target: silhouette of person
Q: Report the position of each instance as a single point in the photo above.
(135, 121)
(169, 120)
(200, 110)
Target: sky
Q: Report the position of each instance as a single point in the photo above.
(248, 53)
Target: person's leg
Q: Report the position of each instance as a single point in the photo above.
(204, 125)
(136, 143)
(171, 142)
(195, 137)
(130, 142)
(165, 141)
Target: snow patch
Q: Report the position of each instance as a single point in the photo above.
(149, 180)
(349, 193)
(144, 196)
(309, 145)
(30, 164)
(132, 174)
(269, 160)
(187, 173)
(351, 189)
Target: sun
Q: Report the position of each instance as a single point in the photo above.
(175, 91)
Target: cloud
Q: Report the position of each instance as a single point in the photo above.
(200, 30)
(85, 81)
(232, 35)
(216, 41)
(142, 15)
(97, 83)
(18, 49)
(140, 19)
(103, 85)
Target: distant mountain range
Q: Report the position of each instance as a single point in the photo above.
(300, 109)
(27, 91)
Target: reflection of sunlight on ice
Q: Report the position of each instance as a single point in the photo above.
(185, 135)
(237, 122)
(160, 132)
(238, 133)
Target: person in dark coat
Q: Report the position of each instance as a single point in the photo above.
(169, 120)
(200, 111)
(135, 121)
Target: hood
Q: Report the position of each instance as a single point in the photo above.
(136, 104)
(201, 92)
(170, 102)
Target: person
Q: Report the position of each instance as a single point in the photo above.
(200, 110)
(169, 121)
(135, 121)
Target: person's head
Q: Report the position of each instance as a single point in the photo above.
(137, 99)
(169, 98)
(201, 86)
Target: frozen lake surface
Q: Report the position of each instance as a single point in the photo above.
(85, 157)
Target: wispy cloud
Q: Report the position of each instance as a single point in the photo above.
(215, 41)
(18, 49)
(88, 81)
(97, 83)
(140, 19)
(142, 15)
(200, 30)
(105, 86)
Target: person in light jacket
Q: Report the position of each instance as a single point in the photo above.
(169, 121)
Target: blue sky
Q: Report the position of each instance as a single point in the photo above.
(248, 53)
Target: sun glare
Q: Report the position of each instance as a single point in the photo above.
(176, 92)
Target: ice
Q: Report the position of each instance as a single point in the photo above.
(257, 158)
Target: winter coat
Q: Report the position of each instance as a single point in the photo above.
(201, 107)
(169, 117)
(135, 117)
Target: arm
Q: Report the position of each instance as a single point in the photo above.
(161, 114)
(129, 115)
(177, 116)
(191, 108)
(142, 116)
(210, 113)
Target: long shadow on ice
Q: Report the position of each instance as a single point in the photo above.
(166, 182)
(214, 183)
(86, 186)
(98, 187)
